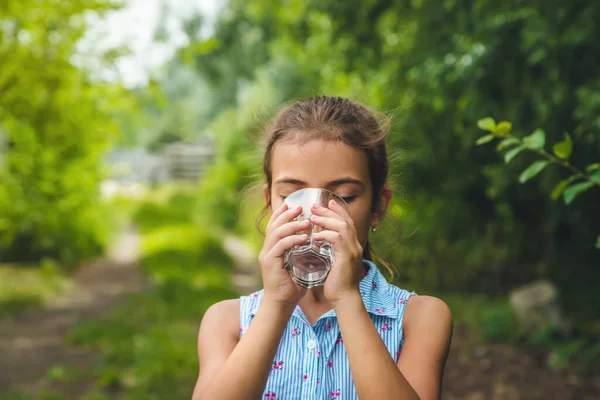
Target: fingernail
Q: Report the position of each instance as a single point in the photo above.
(297, 208)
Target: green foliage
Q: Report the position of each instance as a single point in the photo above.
(467, 226)
(535, 143)
(54, 124)
(484, 317)
(500, 324)
(533, 170)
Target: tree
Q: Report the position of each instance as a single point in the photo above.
(57, 123)
(441, 67)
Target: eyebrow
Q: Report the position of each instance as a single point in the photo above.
(334, 183)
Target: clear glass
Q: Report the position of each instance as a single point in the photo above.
(309, 263)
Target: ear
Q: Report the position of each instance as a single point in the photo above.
(384, 201)
(267, 194)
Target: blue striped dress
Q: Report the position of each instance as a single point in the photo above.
(311, 361)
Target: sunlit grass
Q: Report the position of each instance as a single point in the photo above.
(23, 286)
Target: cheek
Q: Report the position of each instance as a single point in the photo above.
(362, 223)
(276, 201)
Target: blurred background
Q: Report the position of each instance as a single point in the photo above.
(128, 146)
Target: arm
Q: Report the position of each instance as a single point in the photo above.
(427, 336)
(232, 368)
(419, 371)
(369, 358)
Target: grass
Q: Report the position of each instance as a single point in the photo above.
(24, 286)
(147, 345)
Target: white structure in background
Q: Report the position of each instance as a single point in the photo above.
(189, 161)
(136, 165)
(130, 170)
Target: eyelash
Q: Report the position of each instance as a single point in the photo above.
(347, 199)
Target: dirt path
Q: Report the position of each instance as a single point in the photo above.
(33, 341)
(496, 371)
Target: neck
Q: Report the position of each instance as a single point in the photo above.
(314, 303)
(315, 296)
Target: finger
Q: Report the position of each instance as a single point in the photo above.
(284, 230)
(325, 212)
(340, 243)
(332, 224)
(286, 216)
(278, 211)
(285, 244)
(341, 211)
(332, 237)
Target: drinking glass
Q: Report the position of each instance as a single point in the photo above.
(309, 263)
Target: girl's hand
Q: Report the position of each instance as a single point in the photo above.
(347, 270)
(280, 237)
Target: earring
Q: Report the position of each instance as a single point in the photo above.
(374, 229)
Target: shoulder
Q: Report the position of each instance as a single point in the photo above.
(428, 314)
(221, 316)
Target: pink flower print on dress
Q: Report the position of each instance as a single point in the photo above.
(305, 377)
(335, 395)
(270, 395)
(380, 310)
(385, 327)
(397, 353)
(317, 352)
(328, 327)
(296, 332)
(329, 363)
(340, 340)
(373, 285)
(318, 381)
(277, 365)
(255, 295)
(402, 300)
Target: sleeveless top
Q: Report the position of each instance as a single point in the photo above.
(311, 361)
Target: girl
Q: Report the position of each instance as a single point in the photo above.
(355, 337)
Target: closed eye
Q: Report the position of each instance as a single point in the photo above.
(347, 199)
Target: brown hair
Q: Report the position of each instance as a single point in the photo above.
(335, 119)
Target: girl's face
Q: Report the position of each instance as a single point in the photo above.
(335, 166)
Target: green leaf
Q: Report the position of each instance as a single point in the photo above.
(563, 149)
(487, 124)
(593, 167)
(507, 142)
(533, 170)
(598, 243)
(560, 187)
(513, 153)
(572, 191)
(485, 139)
(536, 140)
(503, 127)
(596, 176)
